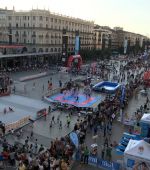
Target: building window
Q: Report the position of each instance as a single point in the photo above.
(51, 49)
(24, 25)
(16, 25)
(9, 17)
(46, 50)
(17, 40)
(46, 25)
(24, 41)
(28, 17)
(55, 49)
(51, 19)
(24, 17)
(41, 25)
(33, 17)
(17, 17)
(55, 20)
(46, 18)
(10, 25)
(41, 18)
(34, 41)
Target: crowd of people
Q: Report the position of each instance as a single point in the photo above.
(4, 83)
(60, 153)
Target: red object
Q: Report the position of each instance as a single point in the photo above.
(146, 78)
(72, 58)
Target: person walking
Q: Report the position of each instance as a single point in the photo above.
(68, 121)
(53, 119)
(86, 155)
(60, 125)
(109, 152)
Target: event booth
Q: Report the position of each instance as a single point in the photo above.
(145, 125)
(137, 155)
(124, 142)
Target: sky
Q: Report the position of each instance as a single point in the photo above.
(132, 15)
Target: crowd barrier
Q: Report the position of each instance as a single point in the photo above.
(17, 124)
(33, 76)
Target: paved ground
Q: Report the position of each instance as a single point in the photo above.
(41, 129)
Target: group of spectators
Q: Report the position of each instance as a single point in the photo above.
(4, 83)
(34, 157)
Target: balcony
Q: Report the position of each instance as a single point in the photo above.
(24, 35)
(33, 35)
(16, 35)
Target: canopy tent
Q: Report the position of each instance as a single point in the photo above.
(145, 118)
(137, 152)
(145, 125)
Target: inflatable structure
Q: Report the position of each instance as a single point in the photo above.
(106, 86)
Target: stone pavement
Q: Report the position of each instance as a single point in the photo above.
(44, 134)
(42, 131)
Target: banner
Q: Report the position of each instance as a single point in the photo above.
(77, 45)
(100, 163)
(74, 139)
(125, 46)
(122, 94)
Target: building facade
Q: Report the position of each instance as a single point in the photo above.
(42, 31)
(101, 37)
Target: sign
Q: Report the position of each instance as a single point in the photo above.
(77, 45)
(100, 163)
(125, 46)
(74, 139)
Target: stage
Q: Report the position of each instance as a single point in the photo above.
(82, 101)
(24, 109)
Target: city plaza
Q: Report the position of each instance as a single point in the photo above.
(59, 111)
(28, 98)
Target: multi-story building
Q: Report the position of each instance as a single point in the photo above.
(101, 37)
(42, 31)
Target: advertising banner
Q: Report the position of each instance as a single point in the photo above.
(77, 45)
(100, 163)
(74, 139)
(125, 46)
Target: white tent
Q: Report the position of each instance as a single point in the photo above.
(145, 118)
(137, 151)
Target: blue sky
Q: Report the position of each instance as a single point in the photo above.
(132, 15)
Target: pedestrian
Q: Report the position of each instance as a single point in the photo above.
(50, 125)
(53, 119)
(58, 118)
(68, 121)
(41, 148)
(45, 114)
(60, 125)
(106, 142)
(31, 134)
(86, 155)
(77, 98)
(109, 152)
(60, 83)
(103, 152)
(49, 109)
